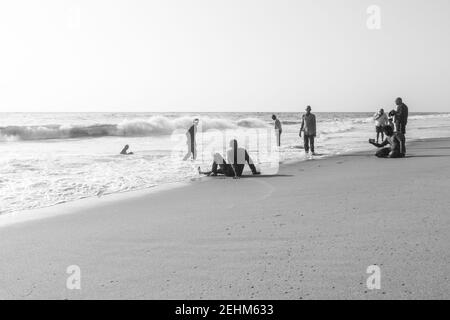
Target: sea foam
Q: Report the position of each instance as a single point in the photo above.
(153, 126)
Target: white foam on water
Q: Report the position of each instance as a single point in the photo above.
(49, 159)
(143, 127)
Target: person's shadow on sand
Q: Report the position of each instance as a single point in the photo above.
(267, 176)
(427, 156)
(255, 176)
(436, 148)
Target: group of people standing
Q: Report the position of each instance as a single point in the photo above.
(237, 157)
(394, 127)
(308, 127)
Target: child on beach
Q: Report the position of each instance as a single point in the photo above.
(391, 123)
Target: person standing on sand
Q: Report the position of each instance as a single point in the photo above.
(401, 120)
(401, 116)
(309, 130)
(278, 129)
(190, 141)
(381, 120)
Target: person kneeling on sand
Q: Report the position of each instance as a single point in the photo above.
(395, 150)
(125, 151)
(237, 157)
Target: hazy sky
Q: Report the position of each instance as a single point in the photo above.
(227, 55)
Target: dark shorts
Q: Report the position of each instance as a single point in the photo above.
(226, 170)
(384, 153)
(379, 129)
(401, 127)
(222, 167)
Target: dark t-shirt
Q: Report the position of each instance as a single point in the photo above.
(402, 114)
(191, 132)
(309, 124)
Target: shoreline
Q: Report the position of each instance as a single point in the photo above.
(309, 232)
(64, 174)
(74, 206)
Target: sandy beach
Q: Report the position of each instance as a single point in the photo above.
(308, 233)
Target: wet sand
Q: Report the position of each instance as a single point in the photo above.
(308, 233)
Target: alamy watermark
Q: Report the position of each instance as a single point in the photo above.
(374, 280)
(374, 19)
(73, 281)
(74, 17)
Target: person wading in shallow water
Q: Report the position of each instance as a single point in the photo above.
(190, 141)
(394, 140)
(125, 151)
(278, 129)
(309, 130)
(401, 120)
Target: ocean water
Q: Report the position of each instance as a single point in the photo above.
(52, 158)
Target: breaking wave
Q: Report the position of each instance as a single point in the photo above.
(154, 126)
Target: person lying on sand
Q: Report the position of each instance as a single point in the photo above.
(237, 157)
(125, 151)
(395, 140)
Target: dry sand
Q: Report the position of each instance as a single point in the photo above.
(308, 233)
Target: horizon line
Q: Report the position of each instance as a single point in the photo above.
(273, 112)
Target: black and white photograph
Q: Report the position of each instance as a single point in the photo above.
(224, 150)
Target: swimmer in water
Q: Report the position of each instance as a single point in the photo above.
(125, 151)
